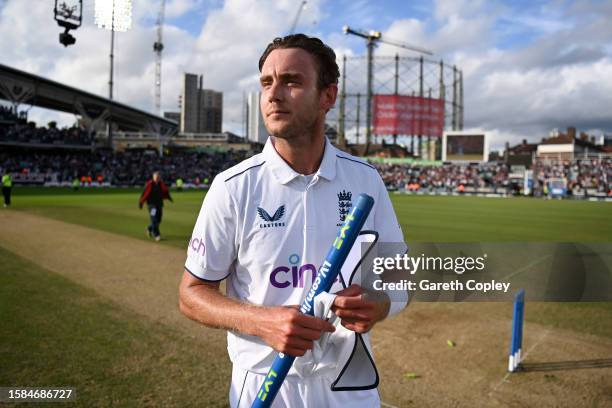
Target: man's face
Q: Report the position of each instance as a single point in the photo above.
(291, 103)
(156, 177)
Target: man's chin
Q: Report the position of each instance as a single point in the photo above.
(282, 132)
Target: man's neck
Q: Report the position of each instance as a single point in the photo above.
(302, 155)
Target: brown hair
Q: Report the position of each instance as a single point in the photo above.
(323, 54)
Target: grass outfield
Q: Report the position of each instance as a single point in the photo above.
(423, 218)
(62, 334)
(112, 210)
(518, 219)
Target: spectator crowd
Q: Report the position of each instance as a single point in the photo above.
(581, 177)
(11, 115)
(444, 178)
(129, 168)
(30, 133)
(134, 167)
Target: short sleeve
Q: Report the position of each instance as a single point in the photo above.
(212, 248)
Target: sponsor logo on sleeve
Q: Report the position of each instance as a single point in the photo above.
(197, 245)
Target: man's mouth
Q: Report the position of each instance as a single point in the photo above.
(278, 112)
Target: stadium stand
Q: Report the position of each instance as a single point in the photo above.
(8, 115)
(29, 133)
(584, 178)
(487, 178)
(129, 168)
(52, 157)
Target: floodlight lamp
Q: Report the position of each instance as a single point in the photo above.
(113, 15)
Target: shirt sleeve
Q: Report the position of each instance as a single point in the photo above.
(390, 243)
(213, 246)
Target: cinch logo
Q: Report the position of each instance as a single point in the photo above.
(197, 244)
(294, 275)
(271, 221)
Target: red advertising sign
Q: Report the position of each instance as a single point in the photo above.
(408, 115)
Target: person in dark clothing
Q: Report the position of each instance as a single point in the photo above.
(154, 194)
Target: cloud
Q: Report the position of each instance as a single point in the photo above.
(231, 41)
(559, 78)
(225, 50)
(527, 68)
(86, 64)
(178, 8)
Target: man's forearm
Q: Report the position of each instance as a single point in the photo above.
(206, 304)
(284, 328)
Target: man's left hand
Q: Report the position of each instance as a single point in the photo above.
(358, 310)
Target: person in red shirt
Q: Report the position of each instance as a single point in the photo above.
(154, 194)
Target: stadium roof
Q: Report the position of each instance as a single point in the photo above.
(20, 87)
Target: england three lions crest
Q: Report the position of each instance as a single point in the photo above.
(344, 204)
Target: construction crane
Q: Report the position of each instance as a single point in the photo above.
(158, 47)
(372, 38)
(297, 17)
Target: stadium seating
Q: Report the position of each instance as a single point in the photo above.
(584, 178)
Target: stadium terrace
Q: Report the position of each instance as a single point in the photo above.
(49, 156)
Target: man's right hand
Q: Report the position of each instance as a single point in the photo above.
(287, 330)
(284, 328)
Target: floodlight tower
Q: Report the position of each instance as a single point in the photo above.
(113, 15)
(158, 47)
(372, 38)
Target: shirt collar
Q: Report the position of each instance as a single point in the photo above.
(327, 169)
(284, 173)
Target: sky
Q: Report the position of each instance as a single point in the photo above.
(528, 66)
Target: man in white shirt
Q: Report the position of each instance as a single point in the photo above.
(267, 223)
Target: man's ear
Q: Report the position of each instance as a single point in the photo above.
(328, 97)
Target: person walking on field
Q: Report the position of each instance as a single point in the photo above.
(154, 194)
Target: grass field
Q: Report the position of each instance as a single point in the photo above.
(55, 332)
(62, 333)
(423, 218)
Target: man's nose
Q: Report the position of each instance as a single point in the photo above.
(275, 92)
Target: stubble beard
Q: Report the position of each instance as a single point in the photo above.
(296, 129)
(299, 127)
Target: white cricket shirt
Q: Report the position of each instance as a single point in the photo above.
(265, 229)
